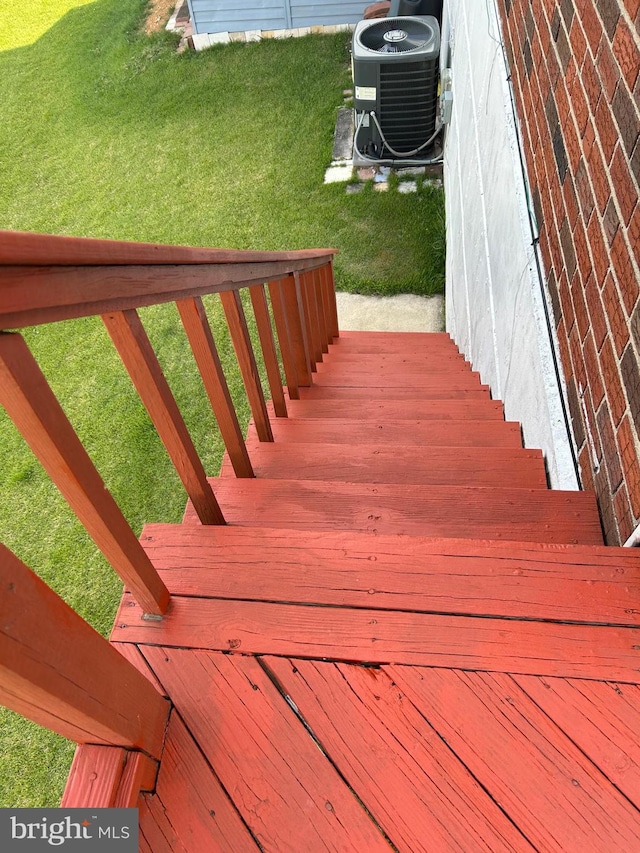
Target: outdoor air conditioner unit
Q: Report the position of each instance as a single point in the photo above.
(395, 76)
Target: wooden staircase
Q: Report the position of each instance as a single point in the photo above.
(377, 629)
(402, 639)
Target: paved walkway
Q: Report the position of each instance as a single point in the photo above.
(404, 313)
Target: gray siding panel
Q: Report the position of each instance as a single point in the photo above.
(233, 16)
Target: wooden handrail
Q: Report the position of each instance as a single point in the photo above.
(20, 248)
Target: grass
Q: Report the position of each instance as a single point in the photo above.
(108, 133)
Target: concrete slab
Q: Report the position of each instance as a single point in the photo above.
(343, 135)
(404, 313)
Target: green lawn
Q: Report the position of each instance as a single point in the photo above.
(106, 133)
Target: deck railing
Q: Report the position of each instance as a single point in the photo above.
(46, 279)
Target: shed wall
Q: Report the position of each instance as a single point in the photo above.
(209, 16)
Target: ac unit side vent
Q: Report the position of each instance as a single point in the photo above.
(408, 100)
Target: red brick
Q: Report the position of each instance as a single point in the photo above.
(630, 464)
(623, 512)
(578, 41)
(592, 366)
(598, 174)
(610, 221)
(615, 312)
(591, 82)
(565, 357)
(627, 281)
(588, 139)
(562, 101)
(578, 101)
(596, 312)
(608, 68)
(626, 52)
(572, 144)
(623, 185)
(577, 359)
(632, 7)
(610, 451)
(586, 472)
(564, 292)
(581, 249)
(579, 306)
(606, 127)
(612, 383)
(583, 190)
(570, 201)
(598, 250)
(553, 68)
(634, 233)
(605, 505)
(592, 25)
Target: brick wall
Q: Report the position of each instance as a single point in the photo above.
(575, 70)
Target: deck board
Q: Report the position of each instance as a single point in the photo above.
(424, 433)
(199, 809)
(433, 409)
(449, 390)
(417, 789)
(602, 719)
(472, 512)
(450, 466)
(291, 800)
(403, 573)
(379, 636)
(557, 797)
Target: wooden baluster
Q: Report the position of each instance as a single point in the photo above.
(59, 672)
(34, 409)
(303, 298)
(315, 346)
(284, 340)
(330, 290)
(196, 325)
(294, 309)
(318, 286)
(246, 360)
(326, 287)
(265, 333)
(133, 345)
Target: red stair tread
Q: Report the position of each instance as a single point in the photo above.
(331, 375)
(470, 433)
(398, 464)
(441, 391)
(347, 569)
(450, 410)
(382, 636)
(470, 512)
(400, 362)
(393, 341)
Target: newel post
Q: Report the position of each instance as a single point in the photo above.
(59, 672)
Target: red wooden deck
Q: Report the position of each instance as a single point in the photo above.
(402, 640)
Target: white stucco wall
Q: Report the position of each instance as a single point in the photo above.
(494, 303)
